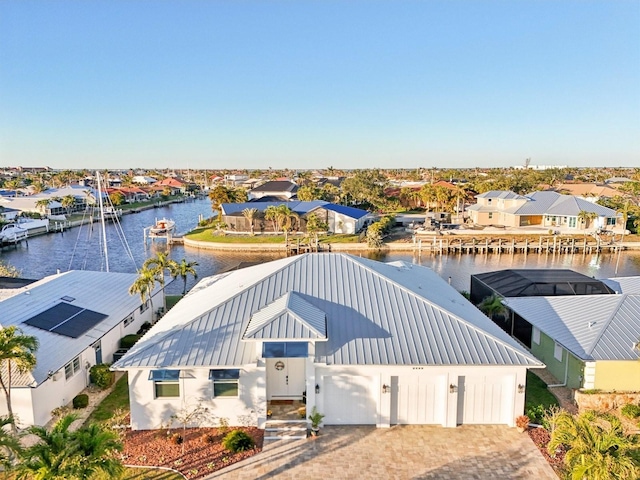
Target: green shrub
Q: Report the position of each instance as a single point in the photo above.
(630, 410)
(144, 328)
(536, 414)
(81, 401)
(101, 376)
(238, 441)
(129, 340)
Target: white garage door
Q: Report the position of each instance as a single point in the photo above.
(485, 400)
(418, 400)
(349, 401)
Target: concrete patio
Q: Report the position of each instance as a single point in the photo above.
(401, 452)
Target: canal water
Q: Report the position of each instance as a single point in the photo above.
(80, 248)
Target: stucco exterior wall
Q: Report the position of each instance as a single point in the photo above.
(149, 412)
(569, 367)
(618, 375)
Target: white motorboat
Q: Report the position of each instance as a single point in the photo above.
(162, 227)
(12, 232)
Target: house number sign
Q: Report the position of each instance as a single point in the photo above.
(279, 365)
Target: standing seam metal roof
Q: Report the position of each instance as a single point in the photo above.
(377, 314)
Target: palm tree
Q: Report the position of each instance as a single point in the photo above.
(43, 204)
(9, 444)
(183, 269)
(586, 217)
(271, 213)
(49, 458)
(68, 201)
(144, 285)
(492, 306)
(250, 214)
(95, 446)
(16, 351)
(597, 447)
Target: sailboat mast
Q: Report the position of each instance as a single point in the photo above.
(104, 230)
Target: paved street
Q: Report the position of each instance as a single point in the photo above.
(403, 452)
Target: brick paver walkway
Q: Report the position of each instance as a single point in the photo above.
(401, 452)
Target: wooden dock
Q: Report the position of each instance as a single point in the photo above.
(545, 245)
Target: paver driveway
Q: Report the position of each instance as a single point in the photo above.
(401, 452)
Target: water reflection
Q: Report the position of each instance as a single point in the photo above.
(81, 249)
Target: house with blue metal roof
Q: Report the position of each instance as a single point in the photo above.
(338, 218)
(546, 209)
(364, 342)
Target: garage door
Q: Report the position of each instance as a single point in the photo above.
(349, 401)
(485, 400)
(418, 400)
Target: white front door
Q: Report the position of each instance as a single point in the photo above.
(285, 378)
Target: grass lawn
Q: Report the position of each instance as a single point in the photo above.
(537, 393)
(146, 474)
(207, 235)
(117, 399)
(340, 238)
(171, 300)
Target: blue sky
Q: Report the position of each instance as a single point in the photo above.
(312, 84)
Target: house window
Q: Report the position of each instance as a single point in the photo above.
(611, 221)
(572, 222)
(557, 352)
(71, 368)
(144, 306)
(285, 350)
(490, 214)
(225, 382)
(536, 336)
(166, 383)
(129, 320)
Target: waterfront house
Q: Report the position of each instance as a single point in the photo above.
(78, 318)
(365, 342)
(543, 209)
(283, 190)
(339, 218)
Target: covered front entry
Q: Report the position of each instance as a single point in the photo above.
(418, 400)
(348, 400)
(485, 399)
(285, 378)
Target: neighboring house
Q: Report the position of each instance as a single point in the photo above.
(339, 218)
(281, 189)
(176, 185)
(143, 180)
(8, 214)
(78, 318)
(586, 342)
(366, 342)
(591, 192)
(543, 209)
(131, 194)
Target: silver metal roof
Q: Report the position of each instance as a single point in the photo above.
(623, 284)
(377, 314)
(102, 292)
(593, 327)
(289, 317)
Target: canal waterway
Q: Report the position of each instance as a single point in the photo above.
(80, 248)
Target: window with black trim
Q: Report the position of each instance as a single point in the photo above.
(225, 382)
(144, 306)
(285, 349)
(166, 383)
(129, 320)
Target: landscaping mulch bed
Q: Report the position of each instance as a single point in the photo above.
(203, 450)
(541, 438)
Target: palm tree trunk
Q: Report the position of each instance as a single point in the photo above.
(7, 395)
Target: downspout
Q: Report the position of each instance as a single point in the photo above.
(566, 373)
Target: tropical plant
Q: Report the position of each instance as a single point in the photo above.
(9, 444)
(7, 270)
(68, 201)
(43, 204)
(597, 448)
(316, 418)
(250, 214)
(63, 454)
(144, 285)
(183, 270)
(586, 217)
(158, 265)
(17, 351)
(492, 306)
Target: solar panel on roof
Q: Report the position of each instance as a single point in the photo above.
(65, 319)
